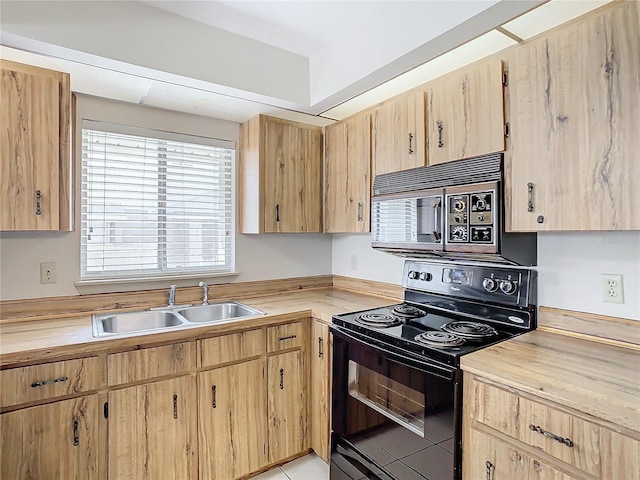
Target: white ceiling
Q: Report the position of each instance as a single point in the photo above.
(346, 55)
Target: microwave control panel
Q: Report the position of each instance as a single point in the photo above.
(471, 218)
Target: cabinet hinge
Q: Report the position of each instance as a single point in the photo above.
(505, 78)
(106, 409)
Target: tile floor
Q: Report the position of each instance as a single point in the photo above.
(309, 467)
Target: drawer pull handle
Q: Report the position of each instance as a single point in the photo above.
(440, 129)
(38, 202)
(282, 379)
(530, 197)
(175, 407)
(320, 347)
(359, 217)
(410, 143)
(49, 382)
(76, 439)
(557, 438)
(214, 404)
(282, 339)
(489, 468)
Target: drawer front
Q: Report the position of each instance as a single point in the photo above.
(286, 336)
(149, 363)
(231, 348)
(587, 446)
(51, 380)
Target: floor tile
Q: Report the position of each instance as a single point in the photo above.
(398, 441)
(448, 445)
(437, 430)
(273, 474)
(434, 463)
(400, 470)
(373, 451)
(309, 467)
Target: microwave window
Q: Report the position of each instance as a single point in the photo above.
(407, 221)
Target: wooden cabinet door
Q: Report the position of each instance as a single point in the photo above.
(232, 404)
(488, 457)
(287, 406)
(348, 175)
(320, 388)
(152, 431)
(466, 114)
(292, 177)
(399, 134)
(54, 441)
(34, 149)
(574, 116)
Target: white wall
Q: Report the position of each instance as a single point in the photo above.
(569, 268)
(258, 257)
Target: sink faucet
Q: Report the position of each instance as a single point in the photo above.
(172, 295)
(205, 293)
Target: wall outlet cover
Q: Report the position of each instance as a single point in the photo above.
(612, 288)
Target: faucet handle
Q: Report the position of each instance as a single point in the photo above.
(172, 295)
(205, 293)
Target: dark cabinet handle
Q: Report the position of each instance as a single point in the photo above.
(320, 347)
(553, 436)
(489, 468)
(277, 212)
(49, 382)
(38, 202)
(410, 143)
(213, 397)
(76, 438)
(282, 379)
(282, 339)
(440, 129)
(175, 407)
(359, 212)
(529, 197)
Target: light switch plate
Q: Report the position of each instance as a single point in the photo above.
(48, 272)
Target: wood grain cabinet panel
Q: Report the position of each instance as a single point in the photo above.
(280, 176)
(149, 363)
(287, 406)
(347, 179)
(51, 442)
(399, 134)
(34, 148)
(51, 380)
(231, 348)
(466, 113)
(282, 337)
(574, 115)
(320, 388)
(152, 431)
(232, 403)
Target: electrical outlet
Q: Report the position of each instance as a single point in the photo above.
(48, 272)
(354, 262)
(612, 288)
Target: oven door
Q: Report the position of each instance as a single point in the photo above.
(395, 416)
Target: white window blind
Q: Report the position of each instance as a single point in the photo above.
(154, 203)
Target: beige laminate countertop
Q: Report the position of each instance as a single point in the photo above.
(23, 342)
(595, 378)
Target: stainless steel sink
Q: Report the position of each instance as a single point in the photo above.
(167, 318)
(218, 312)
(117, 323)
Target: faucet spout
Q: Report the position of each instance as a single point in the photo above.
(205, 293)
(172, 295)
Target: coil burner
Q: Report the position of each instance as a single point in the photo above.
(408, 311)
(470, 330)
(379, 320)
(440, 339)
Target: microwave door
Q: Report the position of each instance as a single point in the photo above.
(429, 214)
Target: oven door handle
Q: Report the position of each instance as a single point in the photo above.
(406, 359)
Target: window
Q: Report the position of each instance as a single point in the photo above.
(154, 203)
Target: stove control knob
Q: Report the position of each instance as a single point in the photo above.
(490, 285)
(425, 277)
(413, 274)
(507, 286)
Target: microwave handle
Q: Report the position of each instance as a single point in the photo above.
(437, 220)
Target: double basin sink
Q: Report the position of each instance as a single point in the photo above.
(169, 317)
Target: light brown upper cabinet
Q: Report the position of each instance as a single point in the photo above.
(466, 113)
(574, 114)
(399, 134)
(280, 176)
(347, 175)
(34, 146)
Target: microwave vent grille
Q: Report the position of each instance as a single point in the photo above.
(485, 168)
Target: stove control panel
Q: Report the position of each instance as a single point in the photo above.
(498, 284)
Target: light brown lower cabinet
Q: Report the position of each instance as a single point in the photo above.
(152, 430)
(232, 427)
(287, 405)
(320, 388)
(54, 441)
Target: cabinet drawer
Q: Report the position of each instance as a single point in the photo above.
(588, 446)
(150, 363)
(50, 380)
(286, 336)
(230, 348)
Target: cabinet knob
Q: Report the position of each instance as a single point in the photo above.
(540, 219)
